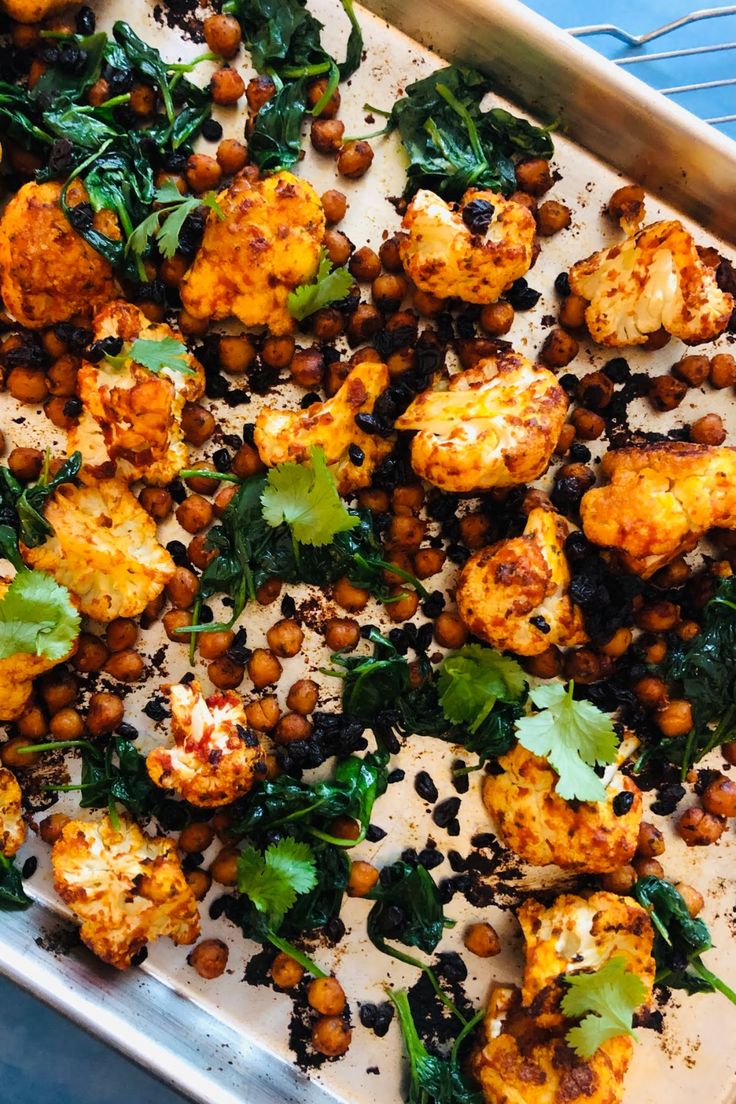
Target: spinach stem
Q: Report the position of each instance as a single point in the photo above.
(707, 975)
(53, 745)
(428, 972)
(288, 948)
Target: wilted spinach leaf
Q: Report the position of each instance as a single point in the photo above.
(12, 895)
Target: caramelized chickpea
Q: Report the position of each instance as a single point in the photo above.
(723, 370)
(595, 390)
(152, 611)
(675, 719)
(331, 1036)
(388, 291)
(194, 514)
(237, 354)
(225, 673)
(194, 327)
(546, 665)
(264, 668)
(196, 837)
(481, 939)
(246, 462)
(371, 498)
(223, 498)
(658, 616)
(61, 377)
(126, 666)
(666, 392)
(59, 688)
(428, 561)
(277, 352)
(52, 826)
(692, 370)
(728, 751)
(224, 868)
(497, 318)
(708, 430)
(719, 797)
(406, 533)
(583, 665)
(475, 530)
(222, 34)
(402, 604)
(559, 348)
(182, 588)
(268, 592)
(27, 385)
(121, 633)
(552, 217)
(285, 638)
(292, 727)
(12, 755)
(199, 881)
(226, 88)
(202, 172)
(258, 92)
(327, 324)
(349, 597)
(572, 312)
(354, 159)
(212, 645)
(173, 621)
(430, 305)
(342, 634)
(286, 972)
(231, 155)
(25, 464)
(627, 203)
(650, 842)
(326, 135)
(365, 264)
(691, 897)
(450, 631)
(699, 828)
(156, 501)
(326, 996)
(620, 880)
(199, 553)
(338, 246)
(202, 484)
(390, 254)
(307, 367)
(91, 653)
(142, 100)
(262, 715)
(618, 644)
(648, 868)
(303, 696)
(407, 500)
(104, 713)
(197, 424)
(588, 425)
(316, 90)
(334, 205)
(209, 958)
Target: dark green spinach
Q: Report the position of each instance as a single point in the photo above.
(434, 1080)
(13, 897)
(27, 503)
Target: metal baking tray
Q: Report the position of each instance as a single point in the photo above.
(224, 1041)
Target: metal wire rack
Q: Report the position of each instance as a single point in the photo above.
(645, 60)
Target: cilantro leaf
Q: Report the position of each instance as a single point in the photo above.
(155, 355)
(607, 1000)
(573, 736)
(177, 209)
(473, 679)
(328, 286)
(305, 497)
(37, 617)
(273, 880)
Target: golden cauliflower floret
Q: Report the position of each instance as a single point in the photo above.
(130, 426)
(216, 758)
(543, 828)
(283, 435)
(267, 244)
(17, 673)
(661, 499)
(32, 11)
(104, 550)
(495, 426)
(524, 1058)
(654, 279)
(48, 272)
(504, 589)
(443, 257)
(12, 824)
(126, 888)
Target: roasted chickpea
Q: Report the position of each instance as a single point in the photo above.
(692, 370)
(588, 425)
(212, 645)
(209, 958)
(572, 312)
(728, 751)
(428, 561)
(264, 668)
(326, 135)
(349, 597)
(365, 264)
(104, 713)
(91, 653)
(691, 897)
(25, 464)
(627, 203)
(475, 530)
(142, 100)
(182, 588)
(648, 868)
(277, 352)
(583, 665)
(52, 826)
(407, 500)
(497, 318)
(338, 246)
(334, 205)
(196, 837)
(552, 217)
(32, 723)
(723, 370)
(674, 574)
(654, 648)
(657, 340)
(406, 533)
(226, 88)
(658, 617)
(481, 939)
(565, 440)
(342, 634)
(595, 390)
(258, 92)
(396, 562)
(152, 611)
(364, 323)
(326, 996)
(699, 828)
(56, 411)
(546, 665)
(193, 327)
(650, 841)
(232, 156)
(246, 462)
(559, 348)
(618, 644)
(194, 514)
(285, 638)
(533, 175)
(262, 715)
(428, 306)
(126, 666)
(224, 868)
(237, 353)
(61, 377)
(303, 696)
(286, 972)
(371, 498)
(199, 553)
(98, 92)
(666, 392)
(675, 719)
(222, 822)
(121, 633)
(620, 880)
(27, 385)
(388, 291)
(450, 630)
(222, 34)
(223, 498)
(197, 424)
(316, 90)
(327, 324)
(292, 727)
(402, 604)
(199, 881)
(12, 755)
(59, 688)
(225, 673)
(331, 1036)
(719, 797)
(174, 620)
(268, 592)
(708, 430)
(307, 367)
(202, 172)
(390, 254)
(354, 159)
(157, 502)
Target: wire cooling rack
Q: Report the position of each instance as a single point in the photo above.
(708, 67)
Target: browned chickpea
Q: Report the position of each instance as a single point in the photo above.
(262, 715)
(428, 305)
(237, 354)
(552, 217)
(212, 645)
(91, 653)
(692, 370)
(174, 620)
(533, 176)
(303, 696)
(199, 881)
(390, 254)
(402, 604)
(406, 533)
(675, 719)
(666, 392)
(277, 352)
(59, 688)
(67, 724)
(699, 828)
(364, 323)
(559, 348)
(222, 34)
(327, 324)
(308, 367)
(157, 502)
(334, 205)
(565, 440)
(450, 631)
(226, 88)
(126, 666)
(286, 972)
(651, 692)
(182, 588)
(546, 665)
(688, 630)
(354, 159)
(268, 592)
(326, 996)
(225, 673)
(202, 484)
(723, 370)
(654, 648)
(338, 246)
(104, 713)
(196, 837)
(588, 425)
(56, 411)
(199, 553)
(258, 92)
(619, 643)
(428, 561)
(650, 842)
(194, 514)
(285, 638)
(407, 500)
(572, 312)
(349, 597)
(342, 634)
(142, 100)
(326, 135)
(365, 264)
(331, 1036)
(719, 797)
(481, 939)
(620, 880)
(316, 90)
(595, 390)
(400, 560)
(475, 530)
(583, 665)
(223, 498)
(728, 751)
(246, 462)
(627, 203)
(388, 291)
(292, 727)
(673, 575)
(27, 385)
(658, 617)
(371, 498)
(231, 155)
(152, 611)
(222, 822)
(26, 36)
(121, 633)
(12, 755)
(209, 958)
(708, 430)
(224, 868)
(193, 327)
(648, 868)
(98, 92)
(202, 172)
(691, 897)
(62, 376)
(197, 424)
(497, 318)
(25, 464)
(264, 668)
(52, 826)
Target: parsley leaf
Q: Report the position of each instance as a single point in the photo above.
(607, 1000)
(573, 736)
(177, 209)
(473, 679)
(37, 617)
(328, 286)
(165, 352)
(273, 880)
(305, 497)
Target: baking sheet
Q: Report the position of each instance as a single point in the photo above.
(693, 1054)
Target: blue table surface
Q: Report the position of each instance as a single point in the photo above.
(44, 1059)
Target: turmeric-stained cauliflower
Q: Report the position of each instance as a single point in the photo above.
(445, 258)
(543, 828)
(32, 11)
(126, 888)
(130, 426)
(283, 435)
(266, 245)
(650, 281)
(104, 550)
(524, 1058)
(216, 758)
(514, 594)
(48, 272)
(12, 824)
(496, 426)
(660, 501)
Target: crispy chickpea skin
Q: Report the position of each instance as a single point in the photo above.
(450, 630)
(315, 92)
(326, 135)
(334, 205)
(481, 939)
(226, 87)
(533, 176)
(197, 424)
(326, 996)
(286, 972)
(331, 1036)
(303, 696)
(264, 668)
(222, 34)
(209, 958)
(91, 653)
(263, 714)
(104, 713)
(342, 634)
(719, 797)
(182, 588)
(559, 348)
(354, 159)
(12, 755)
(699, 828)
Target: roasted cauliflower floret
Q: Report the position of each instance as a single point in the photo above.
(104, 550)
(524, 1058)
(32, 11)
(660, 501)
(543, 828)
(496, 426)
(506, 588)
(131, 423)
(443, 256)
(652, 280)
(48, 272)
(12, 824)
(216, 758)
(126, 888)
(267, 244)
(283, 435)
(17, 673)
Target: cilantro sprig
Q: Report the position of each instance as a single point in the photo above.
(329, 285)
(573, 736)
(37, 617)
(174, 210)
(605, 1002)
(473, 679)
(305, 497)
(155, 355)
